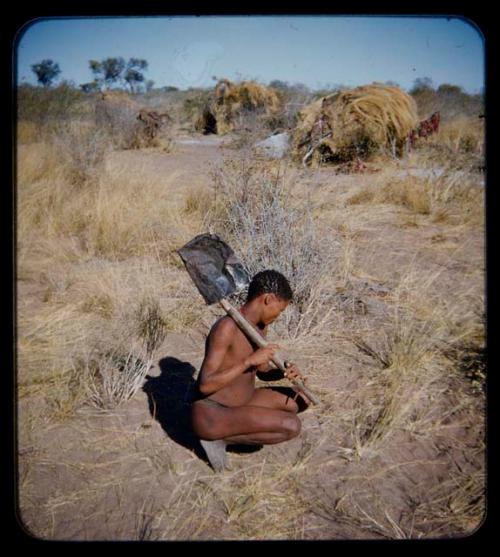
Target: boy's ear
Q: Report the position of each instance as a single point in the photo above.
(268, 298)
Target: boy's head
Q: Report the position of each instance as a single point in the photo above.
(273, 293)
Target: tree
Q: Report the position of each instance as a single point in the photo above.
(46, 71)
(448, 89)
(108, 71)
(133, 79)
(133, 73)
(279, 84)
(422, 84)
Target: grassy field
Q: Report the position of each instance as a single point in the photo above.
(389, 327)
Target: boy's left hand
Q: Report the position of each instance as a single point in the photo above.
(293, 373)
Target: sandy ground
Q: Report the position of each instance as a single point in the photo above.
(137, 473)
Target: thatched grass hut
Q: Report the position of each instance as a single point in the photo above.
(232, 102)
(355, 124)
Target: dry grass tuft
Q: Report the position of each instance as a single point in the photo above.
(82, 151)
(448, 197)
(36, 162)
(27, 132)
(462, 135)
(409, 359)
(248, 498)
(459, 500)
(460, 145)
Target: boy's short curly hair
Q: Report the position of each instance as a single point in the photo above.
(269, 282)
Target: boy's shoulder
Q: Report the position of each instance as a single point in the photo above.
(225, 325)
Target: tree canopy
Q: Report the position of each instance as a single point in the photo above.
(111, 71)
(46, 71)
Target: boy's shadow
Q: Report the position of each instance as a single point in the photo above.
(170, 397)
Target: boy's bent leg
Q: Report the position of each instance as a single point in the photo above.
(245, 424)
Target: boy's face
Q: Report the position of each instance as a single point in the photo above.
(272, 306)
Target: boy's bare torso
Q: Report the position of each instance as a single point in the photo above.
(240, 390)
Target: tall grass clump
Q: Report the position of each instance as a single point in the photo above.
(40, 104)
(415, 358)
(56, 184)
(41, 110)
(448, 195)
(459, 144)
(463, 135)
(78, 341)
(115, 375)
(73, 152)
(268, 227)
(83, 149)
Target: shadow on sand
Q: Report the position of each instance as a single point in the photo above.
(170, 397)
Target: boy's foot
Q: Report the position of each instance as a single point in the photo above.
(216, 453)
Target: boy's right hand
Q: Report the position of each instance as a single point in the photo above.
(262, 355)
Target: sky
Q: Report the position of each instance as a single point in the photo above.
(318, 51)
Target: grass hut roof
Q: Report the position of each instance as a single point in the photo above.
(233, 100)
(355, 123)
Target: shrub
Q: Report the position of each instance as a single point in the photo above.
(43, 105)
(255, 212)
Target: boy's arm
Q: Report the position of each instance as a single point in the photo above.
(268, 371)
(212, 377)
